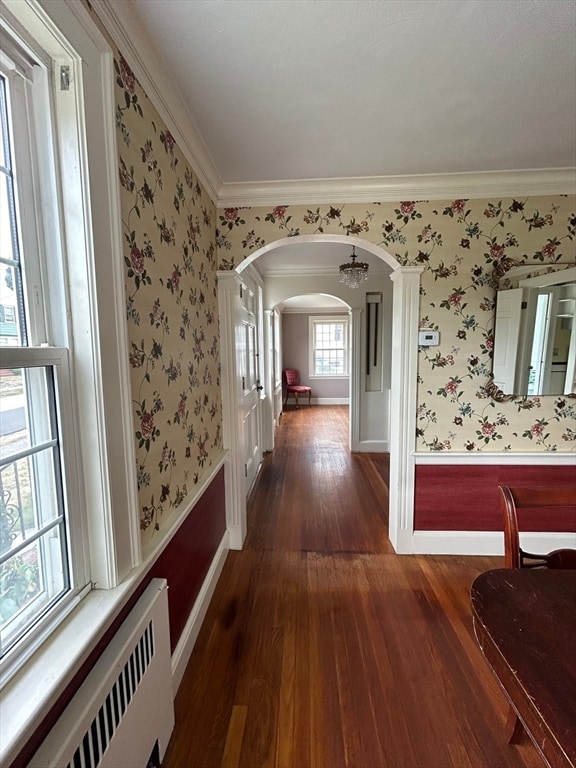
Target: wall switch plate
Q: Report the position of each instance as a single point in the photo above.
(429, 338)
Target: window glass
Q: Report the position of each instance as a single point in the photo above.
(11, 332)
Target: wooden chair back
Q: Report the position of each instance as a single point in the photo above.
(518, 498)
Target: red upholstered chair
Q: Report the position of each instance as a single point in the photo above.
(293, 386)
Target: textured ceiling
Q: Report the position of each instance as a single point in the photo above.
(324, 89)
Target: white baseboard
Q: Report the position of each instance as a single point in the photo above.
(183, 650)
(327, 401)
(485, 542)
(370, 446)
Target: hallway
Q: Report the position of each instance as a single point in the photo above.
(321, 647)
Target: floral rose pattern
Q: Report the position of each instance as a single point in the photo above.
(172, 312)
(463, 246)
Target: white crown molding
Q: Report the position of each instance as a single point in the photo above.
(444, 186)
(310, 310)
(312, 271)
(137, 47)
(300, 272)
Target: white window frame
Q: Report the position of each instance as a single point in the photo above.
(47, 339)
(313, 322)
(94, 325)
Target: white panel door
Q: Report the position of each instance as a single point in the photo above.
(247, 357)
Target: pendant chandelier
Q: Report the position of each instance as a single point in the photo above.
(353, 273)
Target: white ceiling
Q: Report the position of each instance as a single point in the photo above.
(332, 89)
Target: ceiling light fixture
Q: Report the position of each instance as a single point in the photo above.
(353, 273)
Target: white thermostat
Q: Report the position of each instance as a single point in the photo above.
(429, 338)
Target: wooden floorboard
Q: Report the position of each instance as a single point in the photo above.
(322, 648)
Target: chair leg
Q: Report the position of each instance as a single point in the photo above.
(296, 398)
(514, 727)
(309, 396)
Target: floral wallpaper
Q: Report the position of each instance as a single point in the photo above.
(463, 245)
(171, 307)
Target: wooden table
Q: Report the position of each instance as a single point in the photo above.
(525, 623)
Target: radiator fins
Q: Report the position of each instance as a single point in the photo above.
(98, 736)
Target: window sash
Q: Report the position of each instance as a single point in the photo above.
(35, 557)
(329, 346)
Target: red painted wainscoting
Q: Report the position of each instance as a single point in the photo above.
(184, 564)
(187, 558)
(452, 497)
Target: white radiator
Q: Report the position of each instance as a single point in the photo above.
(123, 713)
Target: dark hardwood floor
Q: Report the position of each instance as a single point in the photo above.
(324, 649)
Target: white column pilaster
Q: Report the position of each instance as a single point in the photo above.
(406, 300)
(228, 297)
(355, 378)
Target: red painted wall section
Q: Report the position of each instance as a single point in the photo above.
(187, 558)
(451, 497)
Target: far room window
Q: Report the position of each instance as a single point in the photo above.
(329, 346)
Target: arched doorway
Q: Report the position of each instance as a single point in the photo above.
(293, 324)
(405, 283)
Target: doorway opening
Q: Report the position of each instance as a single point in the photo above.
(315, 340)
(272, 289)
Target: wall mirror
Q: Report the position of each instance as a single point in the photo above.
(535, 333)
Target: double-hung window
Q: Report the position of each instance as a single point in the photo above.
(41, 562)
(68, 494)
(329, 346)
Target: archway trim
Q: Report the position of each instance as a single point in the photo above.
(359, 242)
